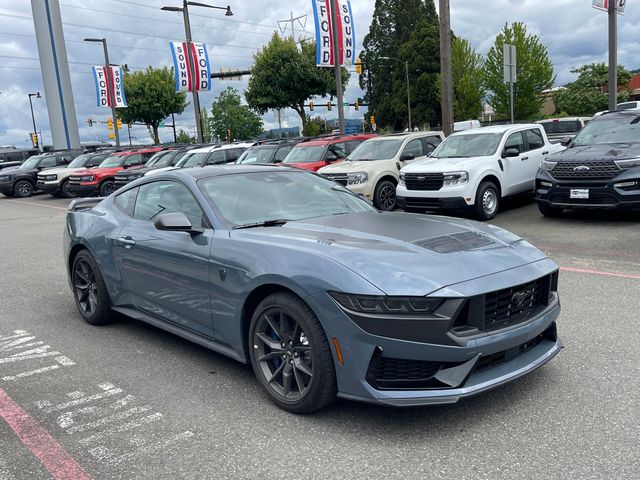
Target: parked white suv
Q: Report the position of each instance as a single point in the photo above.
(474, 169)
(210, 155)
(373, 168)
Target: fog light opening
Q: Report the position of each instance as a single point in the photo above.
(336, 345)
(546, 184)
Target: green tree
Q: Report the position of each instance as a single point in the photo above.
(151, 97)
(184, 137)
(207, 129)
(315, 126)
(407, 30)
(227, 112)
(534, 72)
(589, 93)
(285, 76)
(468, 92)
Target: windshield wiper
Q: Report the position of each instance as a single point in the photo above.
(267, 223)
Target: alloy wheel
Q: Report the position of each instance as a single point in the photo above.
(283, 354)
(24, 189)
(387, 197)
(85, 287)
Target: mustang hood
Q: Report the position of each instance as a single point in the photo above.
(404, 254)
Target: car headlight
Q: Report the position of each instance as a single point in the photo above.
(455, 178)
(382, 305)
(548, 165)
(6, 178)
(50, 178)
(87, 178)
(401, 182)
(357, 178)
(624, 164)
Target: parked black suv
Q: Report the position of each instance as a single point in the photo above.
(21, 181)
(599, 169)
(268, 151)
(12, 157)
(165, 158)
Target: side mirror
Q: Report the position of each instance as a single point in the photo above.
(511, 152)
(565, 141)
(175, 222)
(278, 160)
(407, 156)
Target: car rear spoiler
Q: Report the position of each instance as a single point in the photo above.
(84, 203)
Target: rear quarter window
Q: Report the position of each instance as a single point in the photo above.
(126, 201)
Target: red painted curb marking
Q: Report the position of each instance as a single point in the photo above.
(50, 453)
(598, 272)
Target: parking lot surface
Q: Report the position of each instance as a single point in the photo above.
(131, 401)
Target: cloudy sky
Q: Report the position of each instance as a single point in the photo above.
(138, 34)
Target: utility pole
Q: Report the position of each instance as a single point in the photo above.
(292, 21)
(33, 119)
(336, 65)
(173, 121)
(613, 55)
(446, 89)
(112, 96)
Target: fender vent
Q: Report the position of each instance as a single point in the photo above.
(457, 242)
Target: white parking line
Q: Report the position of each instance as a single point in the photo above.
(37, 204)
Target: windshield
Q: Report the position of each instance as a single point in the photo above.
(261, 196)
(112, 161)
(155, 160)
(301, 154)
(468, 145)
(628, 106)
(79, 161)
(610, 128)
(375, 150)
(175, 159)
(195, 159)
(562, 126)
(31, 163)
(257, 155)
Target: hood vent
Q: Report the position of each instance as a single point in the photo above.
(457, 242)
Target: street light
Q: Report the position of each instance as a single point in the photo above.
(187, 29)
(406, 70)
(112, 97)
(33, 118)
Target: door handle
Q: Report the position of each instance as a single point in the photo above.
(546, 153)
(126, 242)
(524, 158)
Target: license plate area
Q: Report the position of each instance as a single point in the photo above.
(579, 193)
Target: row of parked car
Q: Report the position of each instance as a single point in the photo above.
(469, 172)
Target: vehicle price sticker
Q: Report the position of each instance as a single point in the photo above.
(579, 193)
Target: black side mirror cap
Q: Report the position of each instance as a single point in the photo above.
(510, 153)
(175, 222)
(566, 141)
(407, 156)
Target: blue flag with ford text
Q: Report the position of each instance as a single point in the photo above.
(345, 34)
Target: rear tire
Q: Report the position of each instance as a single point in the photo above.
(107, 188)
(549, 210)
(89, 291)
(384, 197)
(487, 201)
(290, 354)
(23, 189)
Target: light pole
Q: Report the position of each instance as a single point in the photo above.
(337, 67)
(33, 118)
(112, 96)
(187, 29)
(446, 83)
(406, 71)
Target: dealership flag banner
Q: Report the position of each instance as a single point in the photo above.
(186, 81)
(604, 5)
(324, 33)
(107, 80)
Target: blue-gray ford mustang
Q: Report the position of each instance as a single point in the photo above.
(320, 292)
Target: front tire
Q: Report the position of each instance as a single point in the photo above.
(65, 190)
(89, 290)
(107, 188)
(23, 189)
(487, 201)
(549, 210)
(384, 197)
(290, 354)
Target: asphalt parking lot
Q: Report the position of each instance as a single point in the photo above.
(130, 401)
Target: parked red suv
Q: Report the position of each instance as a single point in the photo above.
(318, 152)
(101, 180)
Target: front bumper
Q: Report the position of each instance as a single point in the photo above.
(432, 204)
(48, 187)
(602, 193)
(6, 187)
(465, 366)
(84, 189)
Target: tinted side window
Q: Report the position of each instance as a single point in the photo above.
(534, 137)
(135, 159)
(515, 140)
(147, 156)
(233, 154)
(337, 150)
(429, 144)
(126, 201)
(351, 145)
(281, 153)
(94, 161)
(166, 197)
(216, 157)
(48, 162)
(414, 147)
(14, 157)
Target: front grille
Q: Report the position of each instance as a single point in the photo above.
(75, 180)
(513, 305)
(399, 373)
(595, 198)
(121, 180)
(341, 178)
(424, 181)
(425, 203)
(602, 169)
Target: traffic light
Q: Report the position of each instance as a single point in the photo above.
(34, 140)
(112, 135)
(329, 105)
(119, 123)
(356, 105)
(372, 120)
(228, 134)
(358, 66)
(311, 106)
(110, 124)
(90, 122)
